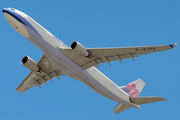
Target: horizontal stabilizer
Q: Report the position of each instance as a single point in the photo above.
(144, 100)
(120, 107)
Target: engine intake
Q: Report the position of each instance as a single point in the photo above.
(29, 63)
(80, 49)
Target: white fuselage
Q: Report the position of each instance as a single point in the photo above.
(48, 44)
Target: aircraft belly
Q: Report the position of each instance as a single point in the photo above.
(105, 90)
(102, 90)
(37, 40)
(64, 64)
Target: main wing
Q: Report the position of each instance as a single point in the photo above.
(101, 55)
(48, 71)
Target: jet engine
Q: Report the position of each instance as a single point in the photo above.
(29, 63)
(80, 49)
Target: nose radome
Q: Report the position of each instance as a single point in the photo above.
(4, 10)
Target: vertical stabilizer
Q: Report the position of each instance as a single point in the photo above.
(134, 88)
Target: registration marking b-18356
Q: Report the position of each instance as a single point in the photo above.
(147, 48)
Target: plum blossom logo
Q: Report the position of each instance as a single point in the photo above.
(133, 92)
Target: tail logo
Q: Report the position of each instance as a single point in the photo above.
(133, 92)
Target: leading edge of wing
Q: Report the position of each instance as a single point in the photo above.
(171, 46)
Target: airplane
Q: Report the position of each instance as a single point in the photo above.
(78, 62)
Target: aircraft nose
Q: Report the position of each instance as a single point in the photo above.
(4, 10)
(7, 11)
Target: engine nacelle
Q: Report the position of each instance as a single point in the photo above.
(80, 49)
(29, 63)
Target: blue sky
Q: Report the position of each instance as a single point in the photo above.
(101, 23)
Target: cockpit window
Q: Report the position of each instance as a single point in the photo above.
(12, 9)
